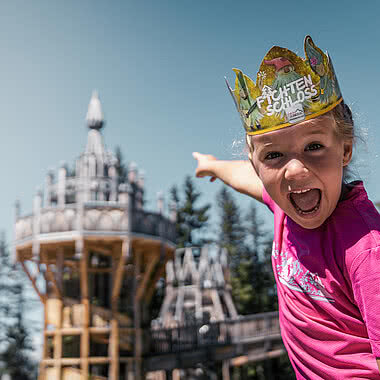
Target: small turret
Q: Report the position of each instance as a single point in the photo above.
(95, 117)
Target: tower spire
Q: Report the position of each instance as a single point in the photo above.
(94, 117)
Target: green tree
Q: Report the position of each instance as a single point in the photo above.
(16, 343)
(258, 267)
(16, 357)
(191, 218)
(5, 289)
(231, 230)
(121, 167)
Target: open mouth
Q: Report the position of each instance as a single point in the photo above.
(306, 201)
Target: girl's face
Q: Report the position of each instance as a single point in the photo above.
(301, 168)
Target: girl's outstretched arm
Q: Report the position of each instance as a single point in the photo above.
(240, 175)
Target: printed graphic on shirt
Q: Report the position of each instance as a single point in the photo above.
(292, 274)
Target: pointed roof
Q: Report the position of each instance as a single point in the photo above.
(95, 117)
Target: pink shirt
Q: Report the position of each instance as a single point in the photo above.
(328, 283)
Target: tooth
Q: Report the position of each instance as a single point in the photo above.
(300, 191)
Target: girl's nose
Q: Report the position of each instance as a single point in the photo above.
(295, 169)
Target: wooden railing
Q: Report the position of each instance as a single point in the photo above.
(98, 216)
(241, 330)
(152, 223)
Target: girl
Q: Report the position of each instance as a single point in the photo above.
(326, 249)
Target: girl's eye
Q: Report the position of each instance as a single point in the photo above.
(314, 146)
(272, 155)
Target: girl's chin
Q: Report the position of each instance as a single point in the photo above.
(309, 220)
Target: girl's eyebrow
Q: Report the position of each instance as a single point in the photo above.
(317, 131)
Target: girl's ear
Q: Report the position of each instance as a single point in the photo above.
(347, 153)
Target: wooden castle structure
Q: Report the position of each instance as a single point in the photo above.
(197, 288)
(198, 333)
(197, 292)
(93, 255)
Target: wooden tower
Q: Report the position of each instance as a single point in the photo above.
(93, 255)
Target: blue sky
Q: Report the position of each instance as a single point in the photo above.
(159, 68)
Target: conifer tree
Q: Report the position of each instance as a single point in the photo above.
(5, 289)
(191, 218)
(16, 357)
(16, 347)
(258, 253)
(121, 167)
(231, 229)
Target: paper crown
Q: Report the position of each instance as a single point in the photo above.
(288, 89)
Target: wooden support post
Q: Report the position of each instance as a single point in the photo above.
(198, 303)
(137, 319)
(118, 262)
(230, 305)
(85, 341)
(179, 304)
(147, 275)
(84, 273)
(150, 291)
(113, 350)
(34, 283)
(57, 344)
(50, 276)
(44, 343)
(170, 296)
(226, 370)
(60, 267)
(118, 275)
(217, 305)
(85, 336)
(42, 371)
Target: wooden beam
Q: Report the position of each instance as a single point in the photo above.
(60, 267)
(255, 357)
(118, 276)
(64, 331)
(42, 296)
(137, 320)
(160, 272)
(226, 370)
(84, 273)
(99, 360)
(97, 248)
(99, 270)
(64, 361)
(57, 343)
(85, 341)
(169, 297)
(217, 305)
(147, 275)
(85, 337)
(52, 278)
(113, 371)
(230, 305)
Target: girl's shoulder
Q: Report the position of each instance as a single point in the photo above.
(357, 222)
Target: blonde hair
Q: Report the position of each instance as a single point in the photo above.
(344, 122)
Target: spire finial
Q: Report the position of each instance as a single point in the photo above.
(94, 117)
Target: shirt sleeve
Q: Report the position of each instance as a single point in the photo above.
(366, 287)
